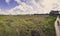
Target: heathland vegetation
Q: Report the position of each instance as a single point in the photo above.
(27, 25)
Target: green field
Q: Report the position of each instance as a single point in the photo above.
(28, 25)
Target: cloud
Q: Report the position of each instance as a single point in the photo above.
(34, 6)
(18, 1)
(3, 12)
(28, 7)
(7, 1)
(22, 9)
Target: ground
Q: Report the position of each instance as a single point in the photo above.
(26, 25)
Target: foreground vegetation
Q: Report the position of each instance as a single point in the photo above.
(27, 26)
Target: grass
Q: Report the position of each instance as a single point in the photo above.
(28, 25)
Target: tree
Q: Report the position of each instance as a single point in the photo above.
(54, 13)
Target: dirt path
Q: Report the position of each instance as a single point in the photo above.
(57, 26)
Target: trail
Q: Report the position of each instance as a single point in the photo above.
(57, 26)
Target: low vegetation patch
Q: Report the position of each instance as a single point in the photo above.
(27, 26)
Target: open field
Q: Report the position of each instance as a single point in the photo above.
(28, 25)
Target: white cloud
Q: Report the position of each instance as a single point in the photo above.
(7, 1)
(35, 6)
(30, 7)
(18, 1)
(22, 9)
(2, 12)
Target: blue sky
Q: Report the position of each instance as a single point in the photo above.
(28, 6)
(12, 4)
(4, 5)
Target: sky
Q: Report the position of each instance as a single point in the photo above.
(16, 7)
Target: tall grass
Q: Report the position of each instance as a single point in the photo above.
(27, 26)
